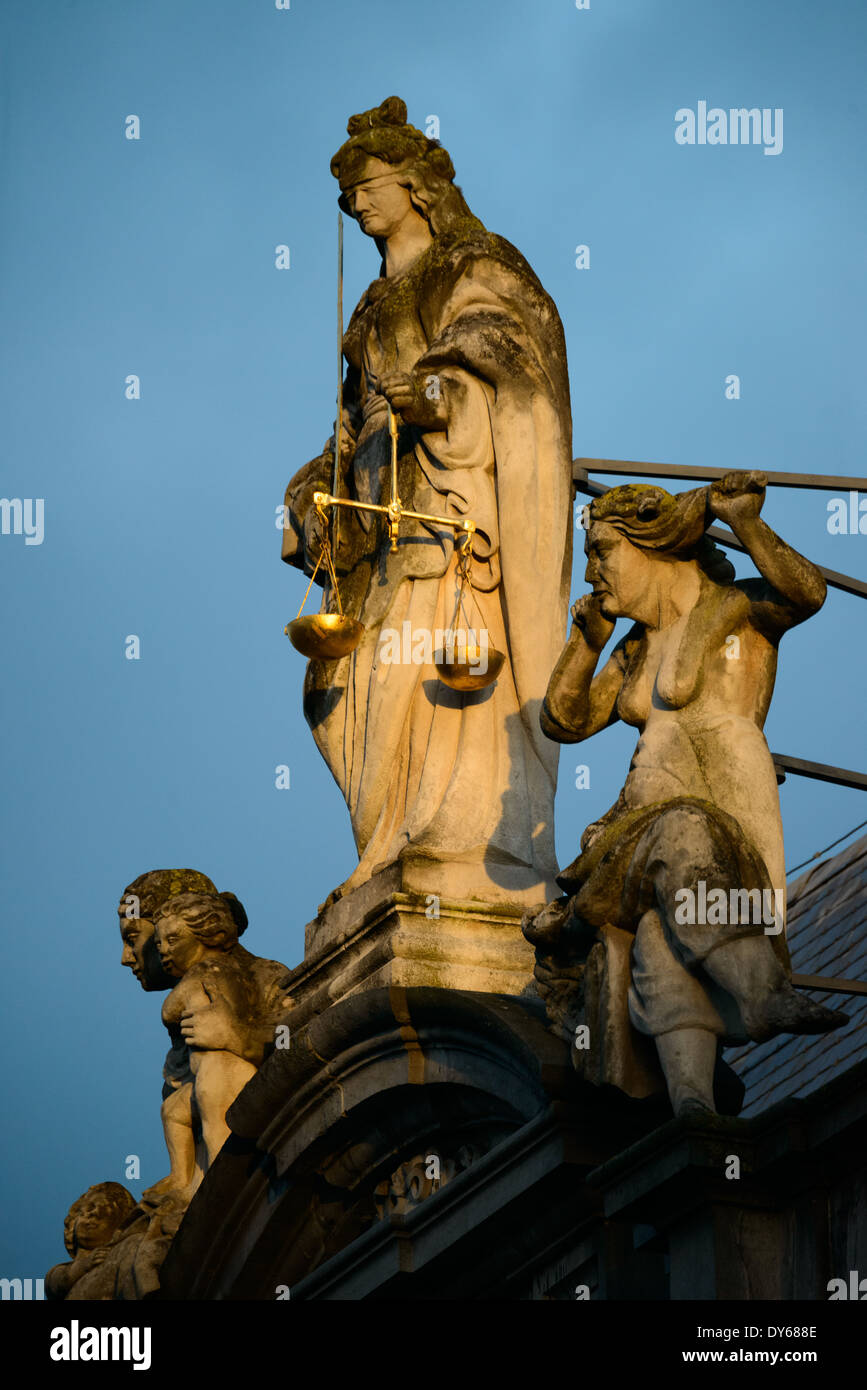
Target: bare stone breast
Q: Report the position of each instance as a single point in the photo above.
(635, 700)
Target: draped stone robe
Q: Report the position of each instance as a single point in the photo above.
(460, 785)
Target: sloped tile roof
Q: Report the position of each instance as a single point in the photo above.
(827, 932)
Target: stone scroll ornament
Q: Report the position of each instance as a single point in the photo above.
(222, 1011)
(669, 941)
(459, 338)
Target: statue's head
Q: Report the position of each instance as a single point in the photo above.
(388, 171)
(137, 910)
(636, 531)
(193, 925)
(93, 1219)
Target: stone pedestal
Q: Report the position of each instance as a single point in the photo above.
(386, 934)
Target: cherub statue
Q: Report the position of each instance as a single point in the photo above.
(698, 819)
(138, 904)
(91, 1224)
(211, 1024)
(225, 1005)
(117, 1245)
(137, 909)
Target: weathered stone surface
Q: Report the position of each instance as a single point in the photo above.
(226, 1003)
(427, 1126)
(592, 1196)
(420, 1177)
(382, 934)
(139, 904)
(91, 1223)
(689, 862)
(793, 1219)
(459, 338)
(180, 934)
(223, 1008)
(117, 1248)
(615, 1054)
(380, 1079)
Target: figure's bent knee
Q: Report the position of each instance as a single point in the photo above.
(177, 1106)
(689, 830)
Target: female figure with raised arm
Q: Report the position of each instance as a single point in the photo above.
(690, 859)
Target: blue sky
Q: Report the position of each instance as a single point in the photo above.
(156, 257)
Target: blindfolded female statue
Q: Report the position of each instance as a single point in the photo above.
(459, 338)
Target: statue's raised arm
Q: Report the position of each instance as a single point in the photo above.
(680, 887)
(792, 589)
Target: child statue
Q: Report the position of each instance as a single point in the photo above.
(225, 1006)
(138, 907)
(92, 1222)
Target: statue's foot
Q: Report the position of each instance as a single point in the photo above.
(688, 1060)
(336, 894)
(158, 1189)
(693, 1108)
(787, 1011)
(355, 880)
(546, 927)
(166, 1190)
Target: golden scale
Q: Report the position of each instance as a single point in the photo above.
(327, 636)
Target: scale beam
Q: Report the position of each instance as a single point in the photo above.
(394, 511)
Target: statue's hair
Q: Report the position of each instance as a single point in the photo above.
(383, 133)
(121, 1203)
(158, 886)
(672, 524)
(209, 916)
